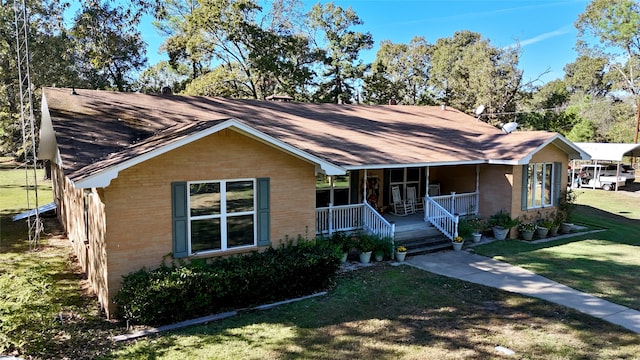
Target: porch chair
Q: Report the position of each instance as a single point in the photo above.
(412, 198)
(400, 208)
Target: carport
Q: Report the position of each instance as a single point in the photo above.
(610, 152)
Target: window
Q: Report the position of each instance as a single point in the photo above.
(324, 189)
(221, 215)
(540, 185)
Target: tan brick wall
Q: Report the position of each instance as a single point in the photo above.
(138, 202)
(89, 249)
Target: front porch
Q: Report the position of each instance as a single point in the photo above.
(426, 230)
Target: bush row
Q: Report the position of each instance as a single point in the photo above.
(175, 293)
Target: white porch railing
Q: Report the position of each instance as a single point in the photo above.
(460, 204)
(439, 217)
(352, 217)
(444, 211)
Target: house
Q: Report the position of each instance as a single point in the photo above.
(141, 179)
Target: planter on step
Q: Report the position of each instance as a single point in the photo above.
(566, 228)
(477, 237)
(541, 232)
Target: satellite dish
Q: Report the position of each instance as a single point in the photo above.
(509, 127)
(479, 110)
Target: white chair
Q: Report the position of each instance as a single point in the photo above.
(412, 198)
(400, 208)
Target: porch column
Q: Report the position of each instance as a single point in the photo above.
(364, 187)
(331, 190)
(477, 209)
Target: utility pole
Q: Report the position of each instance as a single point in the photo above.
(27, 120)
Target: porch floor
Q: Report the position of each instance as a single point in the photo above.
(416, 235)
(408, 220)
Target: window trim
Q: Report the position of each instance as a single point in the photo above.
(222, 216)
(527, 183)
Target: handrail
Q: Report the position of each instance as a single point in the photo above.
(442, 219)
(376, 223)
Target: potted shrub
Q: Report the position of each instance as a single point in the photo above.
(479, 226)
(501, 222)
(343, 243)
(457, 243)
(566, 206)
(555, 224)
(382, 248)
(365, 245)
(401, 253)
(543, 228)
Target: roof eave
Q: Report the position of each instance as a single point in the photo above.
(103, 178)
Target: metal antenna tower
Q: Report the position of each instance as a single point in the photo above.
(27, 120)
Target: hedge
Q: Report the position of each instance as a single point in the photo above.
(176, 293)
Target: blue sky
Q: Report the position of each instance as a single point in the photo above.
(544, 28)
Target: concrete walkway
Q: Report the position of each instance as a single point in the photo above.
(486, 271)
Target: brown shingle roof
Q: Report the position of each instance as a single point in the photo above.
(97, 129)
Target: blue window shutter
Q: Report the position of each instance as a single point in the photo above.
(525, 186)
(179, 218)
(557, 180)
(264, 226)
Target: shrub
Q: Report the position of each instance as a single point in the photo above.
(175, 293)
(502, 219)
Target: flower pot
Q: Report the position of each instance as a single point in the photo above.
(379, 256)
(400, 256)
(365, 257)
(500, 233)
(553, 231)
(477, 237)
(457, 246)
(566, 228)
(542, 232)
(343, 259)
(526, 234)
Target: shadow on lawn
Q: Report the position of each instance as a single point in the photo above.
(386, 312)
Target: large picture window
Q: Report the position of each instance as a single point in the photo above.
(539, 185)
(222, 215)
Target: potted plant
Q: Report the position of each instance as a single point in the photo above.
(365, 245)
(401, 253)
(382, 248)
(543, 228)
(555, 223)
(457, 243)
(479, 226)
(527, 229)
(343, 243)
(566, 206)
(501, 222)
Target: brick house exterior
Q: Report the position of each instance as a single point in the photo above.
(119, 162)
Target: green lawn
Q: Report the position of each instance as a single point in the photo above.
(605, 264)
(377, 312)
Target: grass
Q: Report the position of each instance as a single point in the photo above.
(377, 312)
(386, 312)
(604, 264)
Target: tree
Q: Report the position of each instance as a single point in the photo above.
(49, 62)
(263, 53)
(401, 72)
(615, 24)
(161, 75)
(109, 48)
(342, 68)
(588, 74)
(467, 71)
(546, 109)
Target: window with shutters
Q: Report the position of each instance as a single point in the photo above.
(222, 215)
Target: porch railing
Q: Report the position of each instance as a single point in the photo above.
(460, 204)
(350, 218)
(439, 217)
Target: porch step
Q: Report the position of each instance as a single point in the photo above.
(416, 231)
(418, 246)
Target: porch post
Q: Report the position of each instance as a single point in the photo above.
(364, 187)
(330, 218)
(331, 184)
(477, 209)
(453, 202)
(426, 205)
